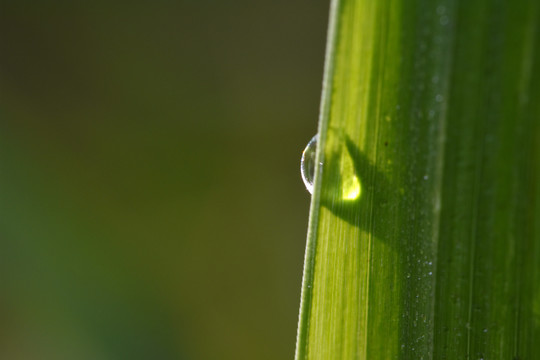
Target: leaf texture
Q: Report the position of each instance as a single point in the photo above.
(424, 235)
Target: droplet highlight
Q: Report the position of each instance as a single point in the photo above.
(307, 164)
(349, 182)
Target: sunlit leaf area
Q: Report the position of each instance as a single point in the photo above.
(424, 233)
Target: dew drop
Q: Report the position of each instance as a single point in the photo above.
(307, 165)
(347, 180)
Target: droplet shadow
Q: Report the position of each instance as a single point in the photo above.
(376, 191)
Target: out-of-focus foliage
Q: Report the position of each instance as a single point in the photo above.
(150, 199)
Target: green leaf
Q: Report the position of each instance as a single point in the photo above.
(424, 235)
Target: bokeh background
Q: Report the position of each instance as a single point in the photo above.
(150, 196)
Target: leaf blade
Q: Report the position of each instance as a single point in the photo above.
(421, 99)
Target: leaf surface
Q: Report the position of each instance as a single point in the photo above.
(424, 235)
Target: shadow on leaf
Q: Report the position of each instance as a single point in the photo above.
(354, 191)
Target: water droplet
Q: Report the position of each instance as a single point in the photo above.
(307, 165)
(346, 180)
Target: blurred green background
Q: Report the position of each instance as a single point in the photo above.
(150, 196)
